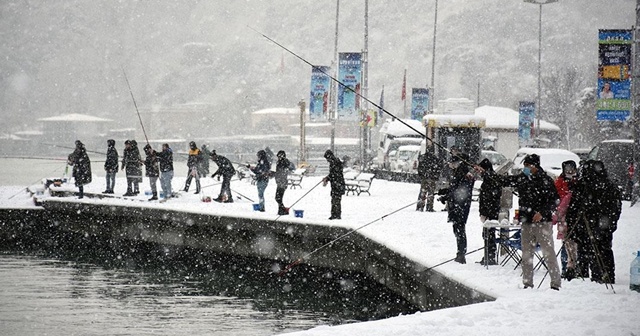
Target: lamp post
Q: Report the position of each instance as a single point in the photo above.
(433, 61)
(538, 103)
(303, 150)
(332, 86)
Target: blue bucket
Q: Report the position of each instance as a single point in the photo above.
(298, 213)
(256, 207)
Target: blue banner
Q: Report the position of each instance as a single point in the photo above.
(319, 102)
(614, 75)
(525, 125)
(350, 75)
(419, 103)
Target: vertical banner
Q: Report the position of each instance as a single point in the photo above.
(369, 118)
(380, 112)
(319, 102)
(349, 74)
(525, 125)
(614, 79)
(419, 103)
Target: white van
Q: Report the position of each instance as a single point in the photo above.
(394, 134)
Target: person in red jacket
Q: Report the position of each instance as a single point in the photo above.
(564, 185)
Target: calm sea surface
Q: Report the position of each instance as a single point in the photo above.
(50, 287)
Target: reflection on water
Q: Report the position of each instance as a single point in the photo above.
(68, 286)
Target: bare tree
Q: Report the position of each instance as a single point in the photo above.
(561, 90)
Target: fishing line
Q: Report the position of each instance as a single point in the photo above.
(34, 182)
(452, 259)
(299, 260)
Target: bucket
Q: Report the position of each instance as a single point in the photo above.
(147, 192)
(298, 213)
(256, 207)
(162, 194)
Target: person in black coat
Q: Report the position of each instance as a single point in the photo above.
(81, 167)
(283, 167)
(152, 170)
(429, 170)
(111, 166)
(226, 170)
(165, 159)
(592, 218)
(458, 197)
(489, 208)
(131, 162)
(336, 178)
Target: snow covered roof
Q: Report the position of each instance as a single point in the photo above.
(454, 120)
(396, 128)
(278, 110)
(75, 117)
(506, 118)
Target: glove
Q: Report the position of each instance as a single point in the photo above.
(443, 191)
(443, 199)
(213, 175)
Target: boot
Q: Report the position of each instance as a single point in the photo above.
(197, 187)
(460, 258)
(128, 193)
(136, 188)
(154, 197)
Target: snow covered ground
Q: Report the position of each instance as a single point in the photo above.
(579, 308)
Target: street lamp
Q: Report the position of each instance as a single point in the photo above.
(539, 108)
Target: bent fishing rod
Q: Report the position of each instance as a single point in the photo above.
(299, 260)
(69, 147)
(350, 89)
(136, 106)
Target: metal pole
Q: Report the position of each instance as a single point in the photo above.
(365, 88)
(635, 118)
(433, 61)
(332, 87)
(539, 112)
(303, 150)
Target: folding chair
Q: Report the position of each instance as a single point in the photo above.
(513, 247)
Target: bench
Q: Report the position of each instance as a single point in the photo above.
(364, 183)
(295, 178)
(350, 182)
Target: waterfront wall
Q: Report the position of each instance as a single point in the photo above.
(280, 240)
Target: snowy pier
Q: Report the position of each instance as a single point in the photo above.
(280, 240)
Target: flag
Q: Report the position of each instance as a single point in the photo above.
(380, 112)
(404, 85)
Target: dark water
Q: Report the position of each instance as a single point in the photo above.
(52, 283)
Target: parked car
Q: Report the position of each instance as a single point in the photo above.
(406, 159)
(497, 159)
(392, 145)
(550, 159)
(617, 156)
(583, 153)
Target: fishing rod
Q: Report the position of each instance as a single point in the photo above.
(136, 105)
(37, 158)
(40, 179)
(348, 88)
(452, 259)
(68, 147)
(294, 203)
(299, 260)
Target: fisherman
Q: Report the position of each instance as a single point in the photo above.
(336, 178)
(262, 169)
(131, 161)
(226, 170)
(152, 170)
(283, 167)
(111, 166)
(165, 158)
(81, 167)
(194, 165)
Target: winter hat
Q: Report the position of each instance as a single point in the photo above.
(282, 154)
(486, 165)
(127, 142)
(569, 164)
(78, 143)
(532, 159)
(213, 153)
(147, 147)
(328, 154)
(192, 144)
(111, 142)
